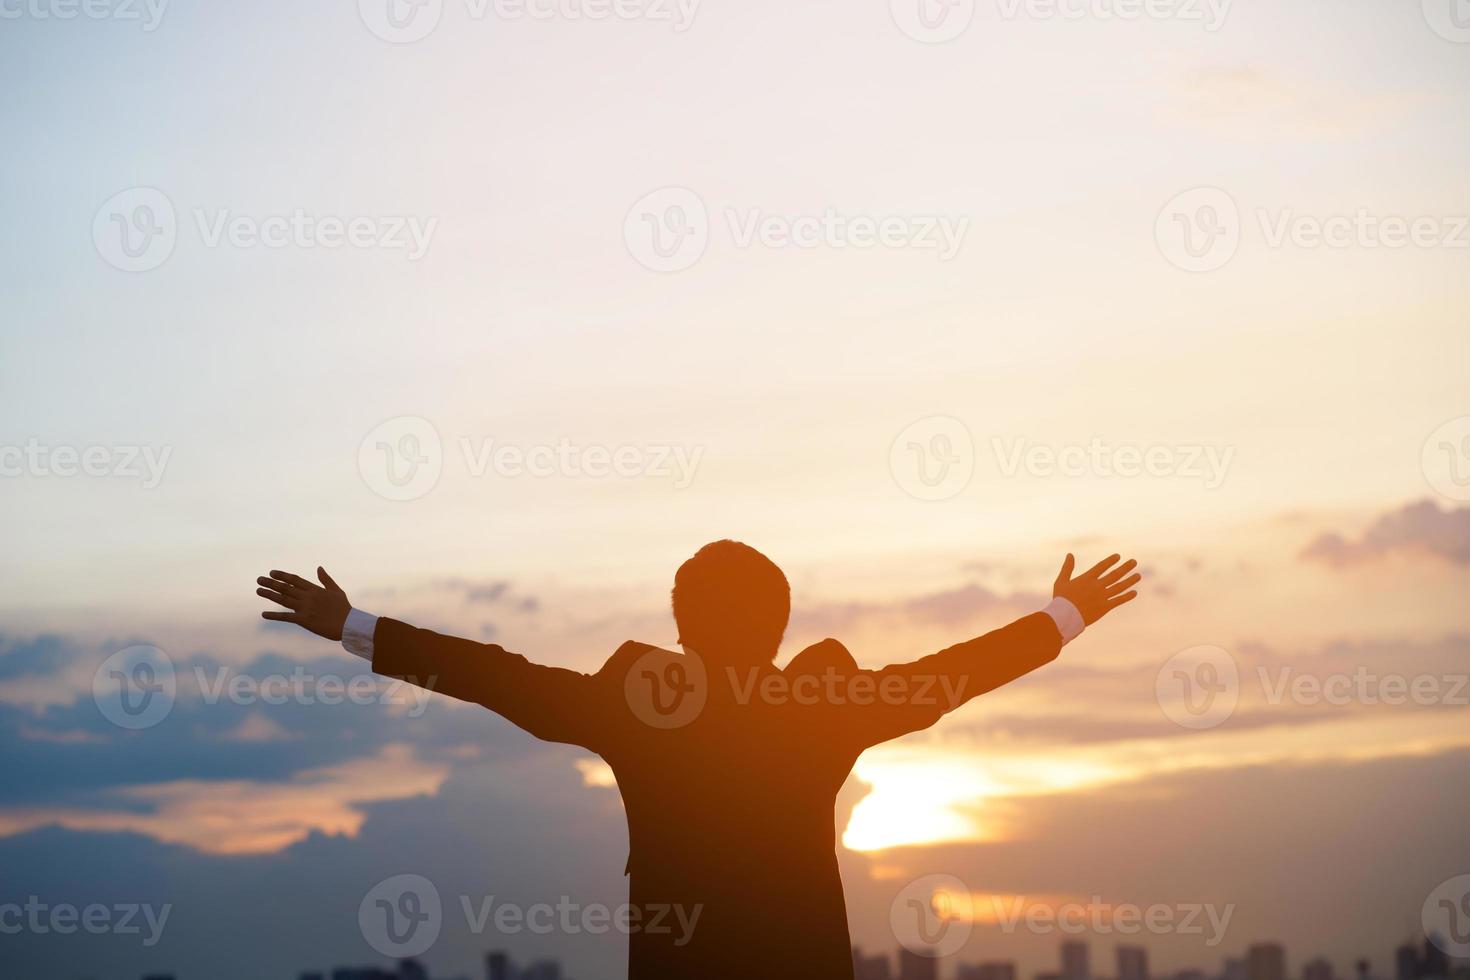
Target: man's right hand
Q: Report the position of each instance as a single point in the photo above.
(319, 608)
(1100, 589)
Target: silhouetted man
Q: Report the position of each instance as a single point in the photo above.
(729, 767)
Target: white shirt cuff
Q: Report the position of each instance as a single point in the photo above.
(1063, 613)
(357, 634)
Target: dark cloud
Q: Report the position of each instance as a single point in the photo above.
(486, 593)
(498, 593)
(1096, 704)
(247, 916)
(70, 754)
(37, 656)
(1418, 528)
(522, 829)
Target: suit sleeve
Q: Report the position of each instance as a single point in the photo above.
(551, 703)
(910, 697)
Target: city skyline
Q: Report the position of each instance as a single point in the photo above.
(1261, 960)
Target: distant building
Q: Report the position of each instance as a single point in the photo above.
(915, 966)
(542, 970)
(311, 976)
(1406, 962)
(998, 970)
(1265, 961)
(875, 967)
(412, 970)
(1317, 969)
(1235, 969)
(361, 973)
(499, 966)
(1075, 961)
(1132, 963)
(1435, 963)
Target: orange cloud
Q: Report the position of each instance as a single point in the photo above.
(241, 816)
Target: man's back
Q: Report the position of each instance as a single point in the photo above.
(730, 813)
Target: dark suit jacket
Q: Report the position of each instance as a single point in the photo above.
(730, 811)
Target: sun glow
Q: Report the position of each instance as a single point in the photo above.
(925, 795)
(929, 794)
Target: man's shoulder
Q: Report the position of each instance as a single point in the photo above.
(630, 653)
(821, 657)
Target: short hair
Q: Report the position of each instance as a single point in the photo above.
(730, 598)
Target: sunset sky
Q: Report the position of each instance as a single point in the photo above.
(878, 419)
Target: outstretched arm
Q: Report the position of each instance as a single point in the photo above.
(551, 703)
(922, 691)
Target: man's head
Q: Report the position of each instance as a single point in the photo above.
(731, 603)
